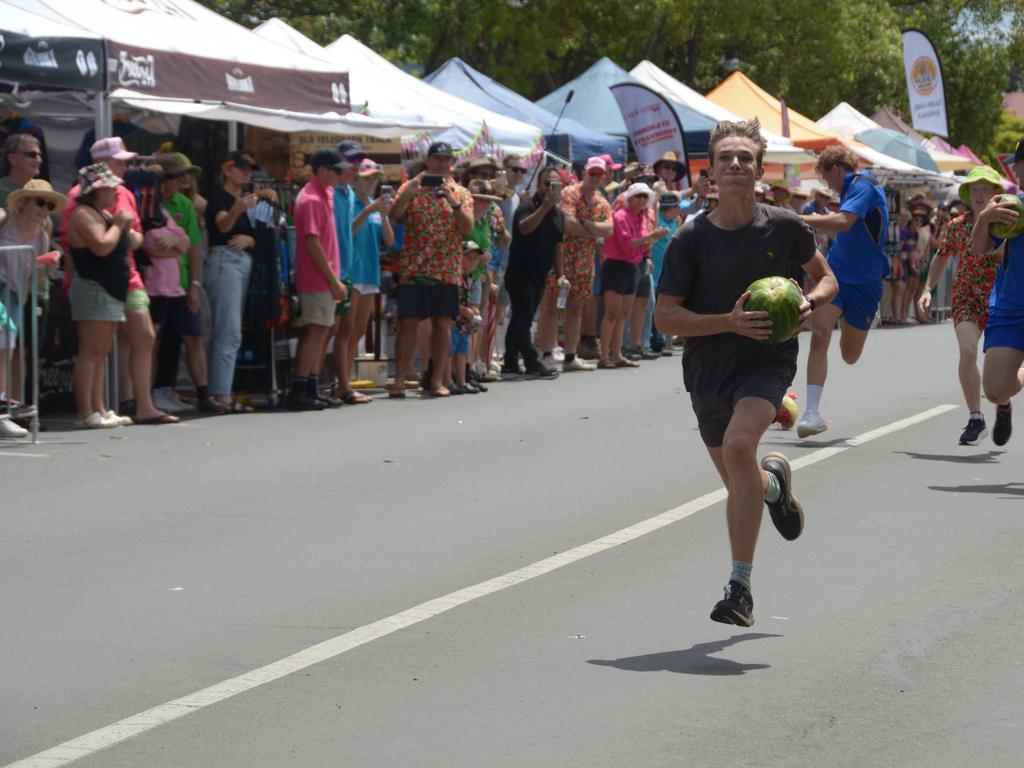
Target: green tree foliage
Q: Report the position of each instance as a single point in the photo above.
(814, 53)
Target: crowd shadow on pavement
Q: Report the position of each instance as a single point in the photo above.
(696, 660)
(1012, 490)
(989, 457)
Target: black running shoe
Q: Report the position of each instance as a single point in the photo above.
(737, 607)
(1004, 425)
(542, 372)
(787, 514)
(974, 432)
(301, 401)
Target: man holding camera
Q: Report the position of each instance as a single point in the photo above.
(437, 215)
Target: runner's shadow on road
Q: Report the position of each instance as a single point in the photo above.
(989, 457)
(696, 660)
(1012, 490)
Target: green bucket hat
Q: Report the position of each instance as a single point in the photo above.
(979, 173)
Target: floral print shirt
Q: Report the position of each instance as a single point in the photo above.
(597, 210)
(432, 244)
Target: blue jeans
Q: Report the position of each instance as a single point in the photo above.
(226, 277)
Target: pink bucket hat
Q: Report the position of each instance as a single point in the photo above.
(112, 146)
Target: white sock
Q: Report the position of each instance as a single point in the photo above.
(813, 398)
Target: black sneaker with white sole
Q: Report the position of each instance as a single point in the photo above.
(541, 372)
(737, 607)
(1004, 425)
(787, 514)
(975, 431)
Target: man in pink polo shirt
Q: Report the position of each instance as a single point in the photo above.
(317, 266)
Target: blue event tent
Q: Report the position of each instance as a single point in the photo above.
(573, 140)
(593, 105)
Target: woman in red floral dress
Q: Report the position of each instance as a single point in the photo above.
(972, 285)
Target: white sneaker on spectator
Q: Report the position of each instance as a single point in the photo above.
(165, 401)
(93, 421)
(114, 420)
(10, 430)
(559, 354)
(549, 362)
(577, 364)
(810, 423)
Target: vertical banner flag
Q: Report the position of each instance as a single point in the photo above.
(924, 83)
(653, 125)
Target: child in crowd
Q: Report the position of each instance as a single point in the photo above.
(466, 323)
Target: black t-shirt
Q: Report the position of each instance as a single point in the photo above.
(532, 256)
(710, 268)
(222, 200)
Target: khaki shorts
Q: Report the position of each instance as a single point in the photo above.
(316, 309)
(90, 302)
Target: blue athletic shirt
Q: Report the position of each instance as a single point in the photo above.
(1007, 298)
(365, 264)
(344, 213)
(857, 256)
(659, 247)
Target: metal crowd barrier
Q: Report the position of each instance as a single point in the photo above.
(20, 289)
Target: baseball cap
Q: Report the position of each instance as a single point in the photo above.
(596, 162)
(351, 150)
(328, 157)
(668, 200)
(369, 168)
(440, 148)
(237, 159)
(1018, 156)
(112, 146)
(610, 164)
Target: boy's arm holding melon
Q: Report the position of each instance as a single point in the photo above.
(993, 213)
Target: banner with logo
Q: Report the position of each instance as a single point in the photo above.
(924, 83)
(179, 75)
(653, 125)
(59, 62)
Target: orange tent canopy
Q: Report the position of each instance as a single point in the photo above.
(741, 95)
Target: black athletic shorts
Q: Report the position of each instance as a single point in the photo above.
(171, 314)
(618, 276)
(421, 301)
(714, 408)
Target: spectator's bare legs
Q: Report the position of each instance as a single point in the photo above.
(309, 358)
(612, 326)
(423, 343)
(589, 324)
(636, 321)
(405, 346)
(94, 343)
(440, 344)
(362, 308)
(967, 337)
(342, 362)
(141, 337)
(572, 323)
(195, 359)
(125, 388)
(547, 323)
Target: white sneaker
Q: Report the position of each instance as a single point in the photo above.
(93, 421)
(10, 430)
(576, 364)
(112, 419)
(549, 362)
(810, 423)
(164, 401)
(558, 353)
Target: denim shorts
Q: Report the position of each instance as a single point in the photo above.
(460, 343)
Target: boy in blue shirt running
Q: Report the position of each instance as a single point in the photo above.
(1002, 377)
(857, 258)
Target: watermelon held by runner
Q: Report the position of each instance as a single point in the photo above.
(1008, 231)
(781, 299)
(786, 415)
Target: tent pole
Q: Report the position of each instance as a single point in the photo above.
(232, 135)
(104, 126)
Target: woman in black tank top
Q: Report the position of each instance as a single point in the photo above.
(99, 247)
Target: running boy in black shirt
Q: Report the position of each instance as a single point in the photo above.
(735, 380)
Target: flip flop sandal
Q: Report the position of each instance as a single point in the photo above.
(396, 394)
(164, 418)
(607, 365)
(237, 407)
(354, 398)
(627, 364)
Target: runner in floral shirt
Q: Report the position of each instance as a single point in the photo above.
(437, 215)
(972, 285)
(588, 218)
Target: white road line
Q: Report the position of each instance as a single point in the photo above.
(25, 455)
(83, 746)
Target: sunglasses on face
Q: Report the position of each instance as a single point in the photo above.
(33, 155)
(512, 169)
(487, 176)
(45, 204)
(595, 174)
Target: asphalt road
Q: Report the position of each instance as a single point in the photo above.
(141, 566)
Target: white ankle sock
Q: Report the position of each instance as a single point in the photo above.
(813, 398)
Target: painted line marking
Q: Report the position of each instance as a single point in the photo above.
(109, 735)
(25, 455)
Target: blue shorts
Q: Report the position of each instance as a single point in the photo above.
(1004, 332)
(460, 343)
(597, 272)
(859, 303)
